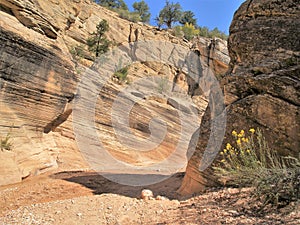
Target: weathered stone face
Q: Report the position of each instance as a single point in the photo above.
(30, 16)
(36, 84)
(267, 57)
(264, 36)
(262, 88)
(39, 78)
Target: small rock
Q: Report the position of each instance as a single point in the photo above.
(233, 212)
(159, 211)
(233, 190)
(79, 214)
(147, 194)
(162, 198)
(176, 202)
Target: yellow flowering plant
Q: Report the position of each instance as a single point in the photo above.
(239, 155)
(248, 161)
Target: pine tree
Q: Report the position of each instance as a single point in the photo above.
(98, 42)
(188, 17)
(142, 9)
(171, 13)
(113, 4)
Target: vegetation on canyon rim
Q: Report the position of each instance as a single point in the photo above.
(248, 161)
(171, 16)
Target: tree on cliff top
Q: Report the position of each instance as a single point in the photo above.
(171, 13)
(142, 9)
(113, 4)
(98, 42)
(188, 17)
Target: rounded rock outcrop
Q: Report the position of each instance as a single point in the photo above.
(262, 86)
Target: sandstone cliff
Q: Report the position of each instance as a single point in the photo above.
(39, 79)
(262, 85)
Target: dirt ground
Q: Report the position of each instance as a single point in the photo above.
(85, 197)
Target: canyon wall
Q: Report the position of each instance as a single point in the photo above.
(39, 78)
(261, 88)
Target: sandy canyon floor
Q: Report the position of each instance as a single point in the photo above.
(85, 197)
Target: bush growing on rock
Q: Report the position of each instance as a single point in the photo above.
(77, 51)
(113, 4)
(250, 162)
(121, 74)
(130, 16)
(188, 31)
(6, 143)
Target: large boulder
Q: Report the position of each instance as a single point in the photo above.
(262, 88)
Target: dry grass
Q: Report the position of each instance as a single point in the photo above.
(250, 162)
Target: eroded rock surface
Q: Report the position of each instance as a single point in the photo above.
(39, 78)
(262, 85)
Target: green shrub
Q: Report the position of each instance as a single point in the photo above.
(80, 52)
(6, 143)
(177, 31)
(112, 4)
(217, 33)
(121, 74)
(205, 32)
(279, 187)
(250, 162)
(77, 51)
(189, 31)
(163, 84)
(130, 16)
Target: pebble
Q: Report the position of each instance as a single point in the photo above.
(146, 194)
(159, 211)
(162, 198)
(233, 190)
(176, 202)
(234, 212)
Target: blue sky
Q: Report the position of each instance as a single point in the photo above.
(210, 13)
